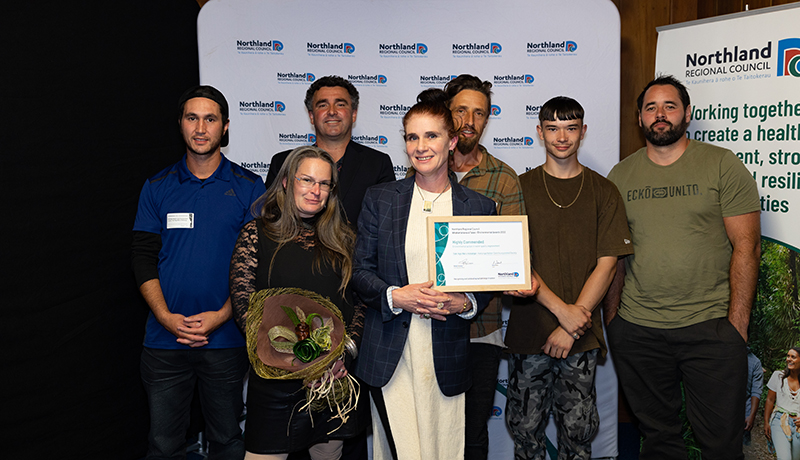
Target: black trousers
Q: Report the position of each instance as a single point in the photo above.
(484, 359)
(710, 358)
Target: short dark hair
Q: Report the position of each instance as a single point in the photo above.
(466, 81)
(562, 108)
(208, 92)
(433, 102)
(329, 82)
(663, 80)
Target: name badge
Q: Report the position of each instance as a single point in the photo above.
(180, 220)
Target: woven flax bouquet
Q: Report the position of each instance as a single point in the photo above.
(274, 359)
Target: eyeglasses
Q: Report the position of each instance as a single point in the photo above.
(308, 183)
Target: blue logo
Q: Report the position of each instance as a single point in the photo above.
(402, 50)
(496, 411)
(368, 80)
(476, 49)
(495, 109)
(546, 47)
(372, 141)
(520, 79)
(328, 48)
(296, 138)
(258, 47)
(789, 57)
(512, 142)
(297, 78)
(258, 107)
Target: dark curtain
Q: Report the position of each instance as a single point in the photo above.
(90, 91)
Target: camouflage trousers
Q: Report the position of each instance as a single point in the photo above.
(539, 384)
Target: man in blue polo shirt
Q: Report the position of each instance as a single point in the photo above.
(188, 219)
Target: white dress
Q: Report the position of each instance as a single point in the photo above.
(424, 423)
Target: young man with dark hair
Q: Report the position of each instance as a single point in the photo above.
(186, 226)
(332, 104)
(682, 315)
(578, 230)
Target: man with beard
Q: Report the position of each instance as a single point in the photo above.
(682, 313)
(186, 226)
(470, 103)
(332, 104)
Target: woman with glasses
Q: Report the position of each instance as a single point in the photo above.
(300, 239)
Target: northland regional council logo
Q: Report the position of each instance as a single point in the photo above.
(513, 80)
(367, 80)
(721, 64)
(434, 81)
(511, 142)
(295, 77)
(261, 108)
(490, 49)
(330, 49)
(548, 48)
(402, 49)
(296, 139)
(789, 57)
(393, 110)
(259, 47)
(532, 111)
(372, 141)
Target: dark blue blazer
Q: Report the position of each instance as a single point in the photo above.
(380, 262)
(363, 167)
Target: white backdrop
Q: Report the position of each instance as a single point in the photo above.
(743, 75)
(263, 55)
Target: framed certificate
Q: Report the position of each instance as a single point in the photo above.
(479, 253)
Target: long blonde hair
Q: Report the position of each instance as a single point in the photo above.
(282, 222)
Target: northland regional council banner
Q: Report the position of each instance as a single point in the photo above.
(743, 75)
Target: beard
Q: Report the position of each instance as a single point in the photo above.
(667, 137)
(467, 145)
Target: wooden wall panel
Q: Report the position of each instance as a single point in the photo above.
(639, 19)
(683, 11)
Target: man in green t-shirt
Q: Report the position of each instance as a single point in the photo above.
(577, 231)
(682, 300)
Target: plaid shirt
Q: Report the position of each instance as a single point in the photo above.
(498, 181)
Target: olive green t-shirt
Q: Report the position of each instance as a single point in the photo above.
(678, 274)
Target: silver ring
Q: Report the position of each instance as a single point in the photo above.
(426, 316)
(576, 336)
(440, 305)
